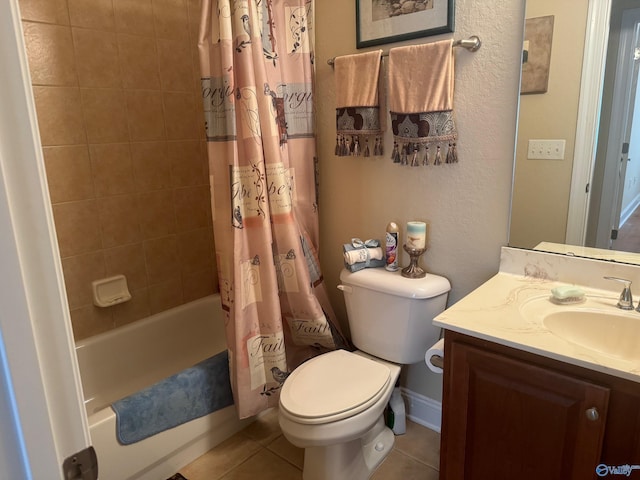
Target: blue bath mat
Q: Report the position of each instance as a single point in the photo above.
(192, 393)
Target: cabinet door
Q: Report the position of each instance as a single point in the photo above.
(507, 419)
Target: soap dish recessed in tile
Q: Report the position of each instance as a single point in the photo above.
(110, 291)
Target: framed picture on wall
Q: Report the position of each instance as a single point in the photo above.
(387, 21)
(536, 54)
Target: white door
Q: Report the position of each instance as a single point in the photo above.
(42, 415)
(620, 130)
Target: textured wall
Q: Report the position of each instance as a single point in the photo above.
(116, 85)
(466, 205)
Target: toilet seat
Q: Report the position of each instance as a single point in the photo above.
(333, 386)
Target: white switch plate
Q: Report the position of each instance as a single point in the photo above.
(546, 149)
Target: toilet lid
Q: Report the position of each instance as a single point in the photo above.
(337, 384)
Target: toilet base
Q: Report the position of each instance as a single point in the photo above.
(353, 460)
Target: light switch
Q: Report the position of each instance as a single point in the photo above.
(546, 149)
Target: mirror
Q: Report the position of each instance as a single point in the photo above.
(550, 201)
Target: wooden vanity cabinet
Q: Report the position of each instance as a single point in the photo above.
(509, 414)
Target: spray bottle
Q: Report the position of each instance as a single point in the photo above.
(391, 247)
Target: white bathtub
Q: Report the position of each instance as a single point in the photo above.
(121, 362)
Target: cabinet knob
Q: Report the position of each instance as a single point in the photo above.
(592, 414)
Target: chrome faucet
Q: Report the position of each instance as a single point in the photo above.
(625, 302)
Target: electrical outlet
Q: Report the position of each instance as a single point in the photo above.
(546, 149)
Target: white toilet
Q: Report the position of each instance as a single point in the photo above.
(332, 405)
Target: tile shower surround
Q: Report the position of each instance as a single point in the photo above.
(117, 91)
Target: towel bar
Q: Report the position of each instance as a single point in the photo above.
(473, 44)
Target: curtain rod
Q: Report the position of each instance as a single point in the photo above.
(472, 44)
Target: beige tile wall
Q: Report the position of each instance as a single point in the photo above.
(116, 86)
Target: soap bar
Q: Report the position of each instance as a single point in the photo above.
(567, 293)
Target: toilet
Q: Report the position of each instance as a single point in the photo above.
(332, 405)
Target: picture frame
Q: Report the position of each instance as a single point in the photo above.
(536, 54)
(378, 22)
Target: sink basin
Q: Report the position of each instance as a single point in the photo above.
(609, 333)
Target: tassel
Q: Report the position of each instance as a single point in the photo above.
(337, 152)
(403, 160)
(438, 159)
(454, 154)
(449, 158)
(414, 159)
(376, 148)
(343, 147)
(366, 147)
(356, 147)
(425, 160)
(395, 155)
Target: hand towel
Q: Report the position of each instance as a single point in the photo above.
(421, 81)
(355, 256)
(358, 103)
(368, 252)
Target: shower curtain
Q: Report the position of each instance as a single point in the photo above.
(256, 59)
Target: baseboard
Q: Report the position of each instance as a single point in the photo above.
(422, 410)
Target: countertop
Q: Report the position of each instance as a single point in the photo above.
(500, 309)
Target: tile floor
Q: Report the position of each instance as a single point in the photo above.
(261, 451)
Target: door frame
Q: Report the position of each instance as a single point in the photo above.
(589, 104)
(620, 125)
(42, 410)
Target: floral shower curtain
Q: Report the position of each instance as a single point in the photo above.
(256, 62)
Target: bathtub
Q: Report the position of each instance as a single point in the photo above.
(118, 363)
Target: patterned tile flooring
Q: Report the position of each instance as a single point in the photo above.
(261, 451)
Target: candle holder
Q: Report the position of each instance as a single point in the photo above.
(413, 270)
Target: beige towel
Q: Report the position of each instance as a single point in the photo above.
(358, 114)
(357, 79)
(421, 104)
(421, 78)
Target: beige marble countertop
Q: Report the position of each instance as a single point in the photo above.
(509, 308)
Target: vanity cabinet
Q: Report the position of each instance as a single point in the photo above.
(510, 414)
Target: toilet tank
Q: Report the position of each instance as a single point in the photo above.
(391, 316)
